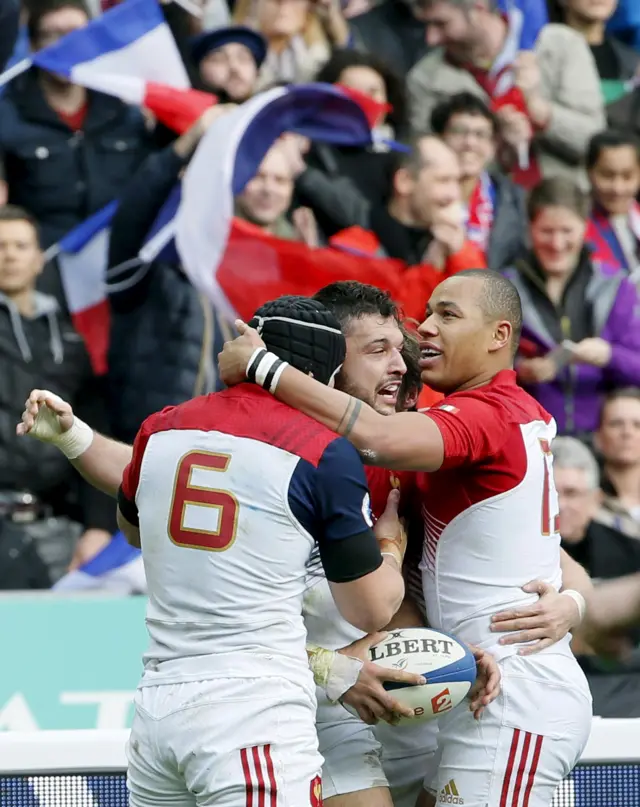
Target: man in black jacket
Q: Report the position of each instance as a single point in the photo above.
(606, 554)
(67, 151)
(164, 335)
(40, 494)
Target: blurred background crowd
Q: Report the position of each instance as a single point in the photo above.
(520, 121)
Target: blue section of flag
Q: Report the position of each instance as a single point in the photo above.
(117, 553)
(535, 14)
(321, 112)
(80, 236)
(169, 252)
(112, 31)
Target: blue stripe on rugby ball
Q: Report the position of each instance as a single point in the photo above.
(462, 670)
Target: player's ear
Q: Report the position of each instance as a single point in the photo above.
(501, 336)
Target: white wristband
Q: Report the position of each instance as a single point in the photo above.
(333, 672)
(76, 441)
(72, 443)
(579, 601)
(264, 366)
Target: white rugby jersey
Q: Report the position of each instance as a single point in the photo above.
(325, 626)
(232, 492)
(490, 512)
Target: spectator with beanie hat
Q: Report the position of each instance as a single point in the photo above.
(229, 61)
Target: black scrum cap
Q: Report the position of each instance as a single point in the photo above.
(302, 332)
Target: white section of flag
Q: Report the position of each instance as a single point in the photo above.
(83, 273)
(203, 223)
(123, 73)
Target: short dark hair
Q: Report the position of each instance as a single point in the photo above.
(38, 9)
(348, 300)
(500, 300)
(15, 213)
(609, 139)
(341, 59)
(411, 380)
(411, 157)
(463, 103)
(558, 192)
(630, 393)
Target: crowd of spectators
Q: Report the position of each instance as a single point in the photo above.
(521, 119)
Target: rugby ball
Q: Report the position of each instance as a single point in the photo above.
(447, 664)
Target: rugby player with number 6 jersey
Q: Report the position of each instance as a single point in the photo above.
(490, 524)
(230, 496)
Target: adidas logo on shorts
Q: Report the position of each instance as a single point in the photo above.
(449, 794)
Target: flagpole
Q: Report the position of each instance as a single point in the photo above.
(53, 252)
(14, 71)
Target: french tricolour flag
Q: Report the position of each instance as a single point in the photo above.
(237, 266)
(117, 53)
(82, 260)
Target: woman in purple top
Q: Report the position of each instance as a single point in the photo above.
(581, 335)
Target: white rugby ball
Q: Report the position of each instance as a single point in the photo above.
(447, 664)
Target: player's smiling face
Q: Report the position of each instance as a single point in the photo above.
(373, 367)
(455, 338)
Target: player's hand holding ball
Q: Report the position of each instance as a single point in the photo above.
(367, 696)
(235, 355)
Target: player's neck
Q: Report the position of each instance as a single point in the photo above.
(480, 380)
(626, 482)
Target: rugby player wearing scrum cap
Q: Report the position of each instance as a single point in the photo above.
(229, 496)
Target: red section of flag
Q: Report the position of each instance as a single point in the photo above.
(177, 109)
(93, 326)
(257, 267)
(374, 111)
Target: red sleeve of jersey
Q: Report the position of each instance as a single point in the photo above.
(472, 429)
(131, 475)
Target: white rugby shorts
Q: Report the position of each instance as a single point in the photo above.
(359, 757)
(352, 755)
(408, 752)
(227, 742)
(526, 742)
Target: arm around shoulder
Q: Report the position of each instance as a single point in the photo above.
(406, 441)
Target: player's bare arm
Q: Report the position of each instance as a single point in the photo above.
(370, 602)
(554, 614)
(100, 460)
(405, 441)
(614, 605)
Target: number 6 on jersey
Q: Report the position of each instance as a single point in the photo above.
(202, 516)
